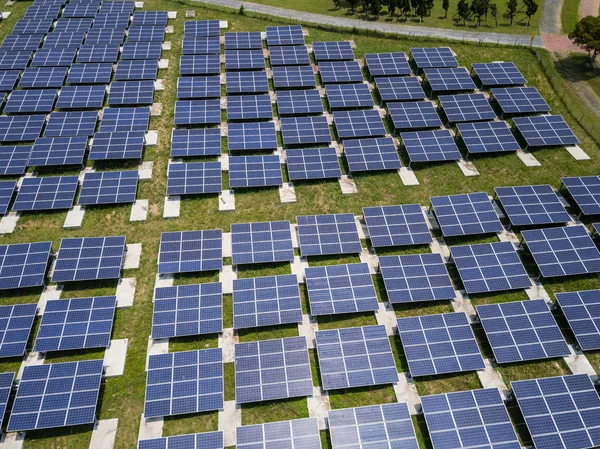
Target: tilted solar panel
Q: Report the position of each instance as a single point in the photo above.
(397, 225)
(46, 193)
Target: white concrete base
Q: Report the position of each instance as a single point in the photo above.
(6, 15)
(298, 266)
(577, 153)
(150, 428)
(224, 160)
(528, 159)
(156, 109)
(172, 14)
(13, 440)
(226, 277)
(371, 259)
(163, 280)
(104, 433)
(386, 316)
(226, 246)
(467, 168)
(294, 232)
(227, 340)
(139, 4)
(579, 364)
(139, 211)
(226, 200)
(172, 207)
(537, 291)
(50, 293)
(31, 359)
(114, 358)
(347, 185)
(464, 304)
(151, 138)
(508, 236)
(438, 246)
(190, 13)
(125, 292)
(319, 406)
(407, 176)
(132, 256)
(361, 227)
(491, 378)
(223, 24)
(307, 329)
(229, 419)
(145, 170)
(166, 45)
(169, 29)
(406, 391)
(163, 63)
(156, 346)
(287, 193)
(74, 217)
(8, 223)
(9, 3)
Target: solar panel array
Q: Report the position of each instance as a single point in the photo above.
(371, 154)
(487, 137)
(6, 382)
(583, 315)
(466, 214)
(251, 136)
(46, 193)
(430, 146)
(23, 264)
(532, 205)
(254, 171)
(7, 189)
(433, 57)
(449, 79)
(387, 64)
(108, 187)
(349, 96)
(263, 242)
(205, 440)
(466, 108)
(328, 234)
(195, 142)
(400, 89)
(299, 102)
(58, 151)
(498, 74)
(190, 251)
(297, 433)
(585, 191)
(545, 131)
(16, 322)
(414, 115)
(397, 225)
(520, 100)
(313, 163)
(305, 130)
(364, 123)
(194, 178)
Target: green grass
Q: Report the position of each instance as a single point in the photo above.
(576, 69)
(123, 397)
(569, 15)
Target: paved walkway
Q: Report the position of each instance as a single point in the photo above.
(588, 8)
(474, 36)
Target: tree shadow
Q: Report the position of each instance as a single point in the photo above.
(576, 67)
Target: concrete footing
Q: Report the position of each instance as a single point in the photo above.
(226, 277)
(145, 170)
(467, 168)
(230, 418)
(408, 177)
(287, 193)
(491, 378)
(139, 211)
(12, 440)
(386, 316)
(125, 292)
(226, 200)
(50, 293)
(528, 159)
(369, 257)
(114, 358)
(406, 391)
(579, 364)
(132, 256)
(74, 217)
(104, 433)
(307, 329)
(156, 346)
(298, 265)
(227, 340)
(172, 206)
(319, 406)
(150, 428)
(577, 153)
(347, 185)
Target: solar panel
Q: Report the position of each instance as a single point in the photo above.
(386, 426)
(15, 60)
(113, 21)
(124, 119)
(6, 381)
(582, 313)
(355, 357)
(299, 102)
(387, 64)
(449, 79)
(73, 25)
(285, 35)
(141, 50)
(272, 369)
(243, 40)
(433, 57)
(430, 146)
(312, 163)
(117, 146)
(340, 72)
(151, 18)
(22, 128)
(305, 130)
(397, 225)
(251, 136)
(200, 65)
(466, 108)
(340, 289)
(350, 124)
(289, 55)
(46, 193)
(139, 33)
(81, 97)
(15, 326)
(199, 87)
(190, 251)
(333, 51)
(194, 178)
(77, 323)
(328, 234)
(56, 395)
(32, 26)
(291, 77)
(585, 191)
(192, 45)
(131, 93)
(42, 77)
(247, 82)
(400, 89)
(63, 40)
(111, 187)
(487, 137)
(90, 74)
(106, 35)
(202, 28)
(23, 264)
(21, 42)
(121, 7)
(29, 101)
(7, 189)
(474, 418)
(244, 60)
(545, 131)
(489, 267)
(46, 10)
(371, 154)
(349, 96)
(266, 301)
(137, 69)
(198, 112)
(249, 107)
(263, 242)
(80, 10)
(560, 411)
(54, 57)
(302, 433)
(58, 151)
(520, 100)
(8, 80)
(71, 124)
(466, 214)
(184, 310)
(13, 159)
(205, 440)
(195, 142)
(498, 74)
(171, 392)
(532, 205)
(522, 330)
(254, 171)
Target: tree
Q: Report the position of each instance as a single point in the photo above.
(337, 4)
(531, 8)
(494, 12)
(463, 10)
(352, 5)
(404, 7)
(420, 9)
(365, 5)
(587, 36)
(511, 9)
(479, 9)
(391, 5)
(445, 7)
(375, 7)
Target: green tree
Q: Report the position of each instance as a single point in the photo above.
(531, 8)
(445, 7)
(352, 5)
(494, 12)
(337, 4)
(404, 7)
(463, 10)
(511, 9)
(374, 7)
(391, 6)
(587, 36)
(421, 9)
(479, 9)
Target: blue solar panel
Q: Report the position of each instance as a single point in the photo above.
(122, 7)
(349, 96)
(560, 412)
(46, 193)
(400, 89)
(56, 395)
(415, 278)
(32, 26)
(340, 72)
(487, 137)
(585, 191)
(152, 18)
(201, 45)
(397, 225)
(290, 77)
(490, 267)
(15, 326)
(206, 440)
(195, 142)
(532, 205)
(45, 10)
(42, 77)
(187, 310)
(171, 392)
(73, 25)
(299, 102)
(137, 69)
(6, 381)
(355, 357)
(498, 74)
(433, 57)
(23, 264)
(289, 55)
(244, 60)
(81, 97)
(313, 163)
(249, 107)
(200, 65)
(263, 242)
(190, 251)
(430, 146)
(266, 301)
(247, 82)
(299, 433)
(77, 323)
(439, 344)
(106, 35)
(7, 188)
(111, 21)
(111, 187)
(251, 136)
(254, 171)
(387, 64)
(520, 100)
(80, 10)
(30, 101)
(194, 178)
(131, 93)
(14, 60)
(117, 146)
(328, 234)
(466, 108)
(333, 51)
(22, 128)
(243, 40)
(90, 74)
(197, 112)
(350, 124)
(54, 57)
(583, 315)
(8, 79)
(21, 42)
(64, 40)
(58, 151)
(565, 251)
(199, 87)
(139, 33)
(124, 119)
(141, 50)
(285, 35)
(474, 418)
(371, 154)
(449, 79)
(305, 130)
(71, 124)
(466, 214)
(545, 131)
(202, 28)
(340, 289)
(272, 369)
(13, 159)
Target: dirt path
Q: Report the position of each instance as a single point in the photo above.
(559, 43)
(588, 8)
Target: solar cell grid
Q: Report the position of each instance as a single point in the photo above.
(439, 344)
(202, 28)
(487, 137)
(187, 310)
(42, 77)
(121, 7)
(205, 440)
(13, 159)
(254, 171)
(22, 128)
(130, 70)
(105, 35)
(387, 64)
(581, 309)
(244, 60)
(466, 214)
(23, 264)
(285, 35)
(198, 112)
(14, 60)
(194, 178)
(141, 50)
(371, 154)
(124, 119)
(249, 107)
(26, 42)
(302, 433)
(430, 146)
(111, 187)
(30, 101)
(333, 51)
(201, 45)
(545, 131)
(466, 108)
(39, 11)
(498, 74)
(195, 142)
(350, 124)
(117, 145)
(291, 77)
(520, 100)
(62, 40)
(114, 21)
(15, 326)
(449, 79)
(312, 163)
(243, 40)
(74, 25)
(145, 33)
(46, 193)
(397, 225)
(348, 96)
(90, 73)
(400, 89)
(266, 301)
(80, 10)
(328, 234)
(305, 130)
(7, 189)
(261, 242)
(585, 191)
(299, 102)
(340, 72)
(247, 82)
(54, 57)
(251, 136)
(433, 57)
(489, 267)
(6, 381)
(190, 251)
(81, 97)
(200, 65)
(289, 55)
(71, 123)
(150, 18)
(8, 79)
(198, 87)
(32, 26)
(58, 151)
(414, 115)
(532, 205)
(131, 93)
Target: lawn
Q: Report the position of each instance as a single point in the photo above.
(569, 15)
(123, 397)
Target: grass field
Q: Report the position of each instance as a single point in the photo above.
(569, 15)
(123, 397)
